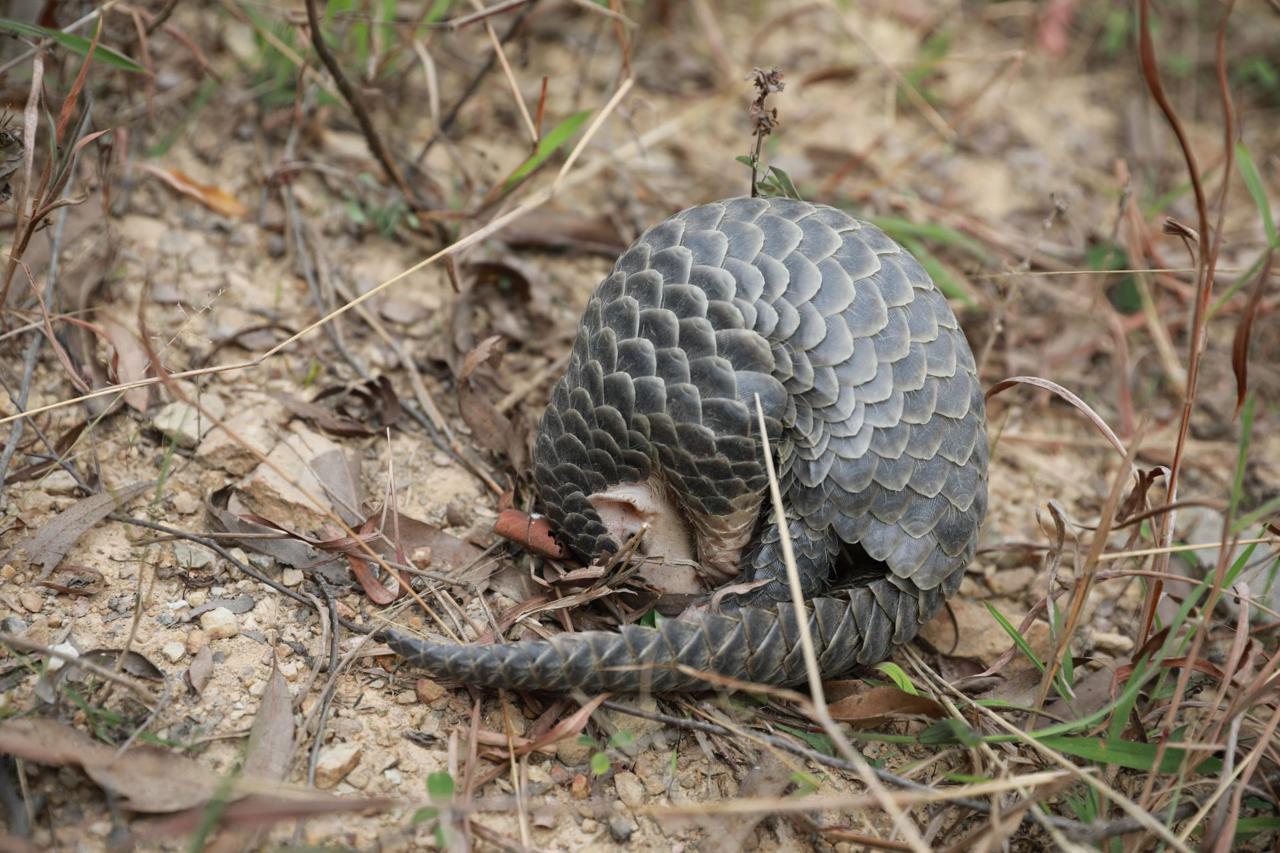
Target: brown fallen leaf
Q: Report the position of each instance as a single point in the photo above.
(201, 669)
(549, 229)
(149, 779)
(372, 402)
(64, 443)
(50, 542)
(215, 198)
(129, 360)
(270, 749)
(323, 418)
(288, 549)
(490, 427)
(339, 475)
(505, 295)
(449, 554)
(133, 663)
(269, 753)
(263, 810)
(871, 706)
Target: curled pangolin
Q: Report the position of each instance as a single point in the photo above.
(871, 403)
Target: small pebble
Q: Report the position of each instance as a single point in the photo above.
(291, 577)
(621, 829)
(196, 640)
(580, 788)
(572, 752)
(31, 601)
(1109, 642)
(219, 623)
(629, 788)
(173, 651)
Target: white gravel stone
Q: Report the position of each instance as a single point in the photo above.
(219, 623)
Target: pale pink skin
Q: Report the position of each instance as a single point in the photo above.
(687, 553)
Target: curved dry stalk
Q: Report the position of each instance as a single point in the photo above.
(819, 708)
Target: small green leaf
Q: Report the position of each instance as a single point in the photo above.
(1253, 181)
(898, 677)
(905, 229)
(950, 733)
(548, 145)
(73, 43)
(817, 740)
(622, 739)
(782, 181)
(424, 814)
(806, 783)
(600, 763)
(440, 786)
(745, 159)
(1018, 639)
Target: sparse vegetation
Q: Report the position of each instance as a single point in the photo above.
(286, 289)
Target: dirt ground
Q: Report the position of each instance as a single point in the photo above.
(213, 419)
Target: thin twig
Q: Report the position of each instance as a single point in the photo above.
(371, 137)
(510, 75)
(474, 86)
(136, 687)
(820, 710)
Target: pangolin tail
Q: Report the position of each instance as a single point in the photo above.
(755, 644)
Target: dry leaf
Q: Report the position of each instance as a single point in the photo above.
(491, 428)
(549, 229)
(215, 198)
(149, 779)
(51, 541)
(874, 705)
(263, 810)
(339, 476)
(75, 580)
(129, 360)
(64, 443)
(270, 747)
(201, 670)
(448, 553)
(288, 549)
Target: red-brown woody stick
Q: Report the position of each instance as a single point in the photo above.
(533, 533)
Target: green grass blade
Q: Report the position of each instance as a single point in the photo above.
(548, 145)
(73, 43)
(1124, 753)
(1018, 639)
(1253, 181)
(905, 229)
